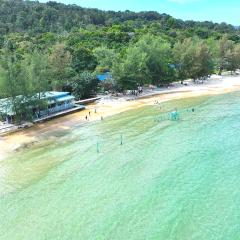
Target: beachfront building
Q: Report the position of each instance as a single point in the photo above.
(57, 102)
(51, 103)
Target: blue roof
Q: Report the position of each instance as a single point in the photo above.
(104, 76)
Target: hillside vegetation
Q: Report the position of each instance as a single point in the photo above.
(54, 46)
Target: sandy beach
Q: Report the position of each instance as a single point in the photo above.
(109, 106)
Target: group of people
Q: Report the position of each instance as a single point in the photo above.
(89, 114)
(138, 91)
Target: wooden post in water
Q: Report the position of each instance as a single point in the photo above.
(98, 147)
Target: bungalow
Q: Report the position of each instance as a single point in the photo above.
(54, 102)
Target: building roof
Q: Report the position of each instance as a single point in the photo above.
(54, 94)
(65, 98)
(104, 76)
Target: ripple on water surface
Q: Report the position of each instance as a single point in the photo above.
(169, 179)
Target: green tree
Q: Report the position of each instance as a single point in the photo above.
(14, 86)
(158, 59)
(183, 57)
(131, 70)
(105, 58)
(37, 71)
(193, 59)
(84, 85)
(24, 82)
(83, 59)
(233, 58)
(59, 62)
(203, 65)
(225, 48)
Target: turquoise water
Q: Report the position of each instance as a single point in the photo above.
(169, 180)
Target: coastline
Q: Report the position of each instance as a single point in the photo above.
(109, 106)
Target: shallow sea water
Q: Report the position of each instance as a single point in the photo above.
(169, 180)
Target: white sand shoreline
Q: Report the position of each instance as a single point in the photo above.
(109, 106)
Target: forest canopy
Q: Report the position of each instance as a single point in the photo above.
(52, 46)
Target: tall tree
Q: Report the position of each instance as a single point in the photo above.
(225, 48)
(131, 70)
(84, 85)
(203, 65)
(193, 59)
(158, 59)
(60, 62)
(105, 58)
(83, 59)
(233, 58)
(14, 86)
(38, 72)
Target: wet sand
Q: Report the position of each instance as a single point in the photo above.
(108, 107)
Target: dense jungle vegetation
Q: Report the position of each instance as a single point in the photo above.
(54, 46)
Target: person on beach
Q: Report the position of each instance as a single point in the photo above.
(89, 113)
(95, 110)
(101, 118)
(86, 117)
